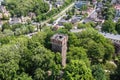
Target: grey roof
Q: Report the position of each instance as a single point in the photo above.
(59, 3)
(111, 36)
(75, 19)
(79, 4)
(76, 30)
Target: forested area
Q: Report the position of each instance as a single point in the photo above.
(88, 57)
(39, 7)
(111, 27)
(16, 29)
(23, 7)
(109, 13)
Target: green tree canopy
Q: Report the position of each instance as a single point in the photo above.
(77, 70)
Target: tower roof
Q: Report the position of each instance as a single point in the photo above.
(59, 37)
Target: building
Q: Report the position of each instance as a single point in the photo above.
(2, 9)
(59, 44)
(25, 19)
(117, 7)
(112, 37)
(115, 1)
(80, 4)
(75, 19)
(99, 5)
(115, 39)
(94, 2)
(93, 16)
(15, 20)
(61, 22)
(59, 3)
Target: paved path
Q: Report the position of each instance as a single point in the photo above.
(89, 14)
(60, 14)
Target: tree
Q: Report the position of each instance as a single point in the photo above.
(31, 28)
(77, 70)
(108, 11)
(18, 31)
(81, 25)
(5, 26)
(116, 74)
(77, 53)
(98, 72)
(68, 26)
(8, 32)
(109, 26)
(95, 44)
(117, 28)
(39, 74)
(9, 60)
(73, 40)
(109, 51)
(22, 8)
(23, 76)
(95, 51)
(39, 37)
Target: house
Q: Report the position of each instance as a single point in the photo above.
(98, 9)
(55, 28)
(99, 4)
(115, 1)
(59, 3)
(112, 37)
(93, 16)
(7, 14)
(80, 4)
(15, 20)
(94, 2)
(25, 19)
(75, 19)
(117, 7)
(117, 13)
(62, 21)
(2, 9)
(87, 20)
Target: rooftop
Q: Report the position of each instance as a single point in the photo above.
(111, 36)
(117, 6)
(79, 4)
(59, 37)
(76, 30)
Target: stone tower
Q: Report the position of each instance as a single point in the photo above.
(59, 44)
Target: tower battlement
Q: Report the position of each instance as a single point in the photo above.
(59, 44)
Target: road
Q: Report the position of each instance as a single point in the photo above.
(58, 19)
(50, 5)
(89, 14)
(60, 14)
